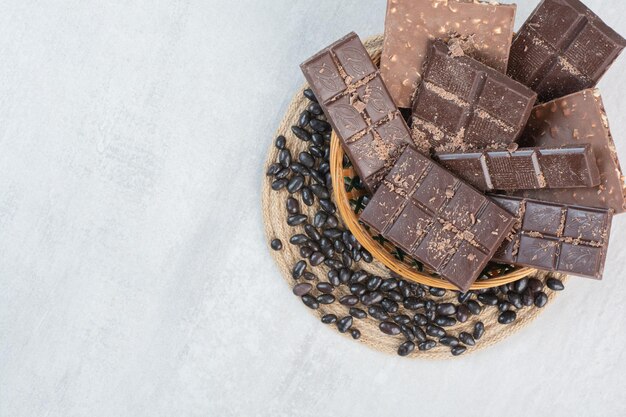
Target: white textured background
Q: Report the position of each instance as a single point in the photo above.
(134, 276)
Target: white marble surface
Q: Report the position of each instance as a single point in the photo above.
(134, 276)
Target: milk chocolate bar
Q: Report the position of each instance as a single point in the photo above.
(462, 105)
(357, 104)
(556, 237)
(410, 25)
(437, 219)
(572, 120)
(563, 48)
(526, 168)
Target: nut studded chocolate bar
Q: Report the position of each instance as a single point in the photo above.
(357, 104)
(437, 219)
(410, 26)
(556, 237)
(576, 119)
(526, 168)
(563, 48)
(463, 105)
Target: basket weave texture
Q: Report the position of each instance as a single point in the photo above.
(275, 219)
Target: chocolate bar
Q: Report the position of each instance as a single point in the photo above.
(410, 25)
(563, 48)
(462, 105)
(357, 104)
(437, 219)
(526, 168)
(572, 120)
(556, 237)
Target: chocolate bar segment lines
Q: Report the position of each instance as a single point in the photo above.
(562, 48)
(571, 120)
(556, 237)
(359, 107)
(463, 105)
(527, 168)
(437, 219)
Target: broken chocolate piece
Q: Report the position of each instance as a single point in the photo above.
(525, 168)
(571, 120)
(410, 25)
(437, 219)
(563, 48)
(357, 104)
(462, 105)
(556, 237)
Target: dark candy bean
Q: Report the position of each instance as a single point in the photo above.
(276, 244)
(306, 159)
(527, 297)
(449, 341)
(467, 339)
(302, 289)
(420, 319)
(446, 309)
(406, 348)
(301, 133)
(304, 119)
(378, 313)
(444, 321)
(279, 184)
(349, 300)
(479, 330)
(357, 313)
(515, 299)
(458, 350)
(554, 284)
(535, 285)
(462, 313)
(374, 283)
(419, 334)
(317, 139)
(355, 333)
(296, 219)
(427, 345)
(280, 142)
(488, 299)
(507, 317)
(283, 173)
(504, 306)
(541, 299)
(371, 297)
(324, 287)
(298, 269)
(402, 319)
(273, 170)
(295, 184)
(464, 297)
(329, 319)
(310, 301)
(284, 157)
(315, 109)
(389, 328)
(328, 206)
(520, 285)
(389, 305)
(309, 276)
(298, 239)
(320, 219)
(307, 196)
(435, 331)
(344, 324)
(437, 292)
(293, 207)
(412, 303)
(308, 93)
(357, 289)
(320, 125)
(326, 299)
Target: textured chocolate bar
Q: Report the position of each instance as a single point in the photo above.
(526, 168)
(563, 48)
(556, 237)
(410, 25)
(437, 219)
(571, 120)
(357, 104)
(462, 105)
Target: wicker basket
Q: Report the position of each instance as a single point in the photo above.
(348, 197)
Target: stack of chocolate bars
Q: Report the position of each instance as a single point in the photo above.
(508, 157)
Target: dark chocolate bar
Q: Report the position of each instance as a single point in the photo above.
(463, 105)
(410, 25)
(575, 119)
(563, 48)
(556, 237)
(526, 168)
(357, 104)
(437, 219)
